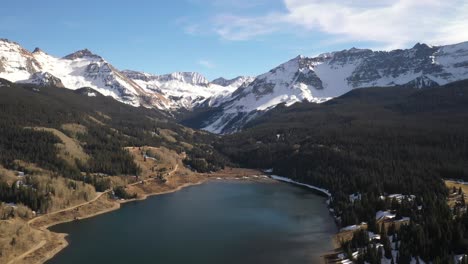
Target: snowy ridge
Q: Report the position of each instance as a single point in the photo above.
(43, 79)
(329, 75)
(239, 100)
(236, 82)
(183, 89)
(16, 63)
(74, 71)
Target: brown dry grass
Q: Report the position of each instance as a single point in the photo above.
(8, 176)
(47, 244)
(450, 184)
(16, 237)
(19, 210)
(103, 115)
(67, 192)
(186, 145)
(166, 160)
(96, 120)
(167, 135)
(344, 236)
(101, 205)
(31, 167)
(69, 149)
(64, 195)
(74, 129)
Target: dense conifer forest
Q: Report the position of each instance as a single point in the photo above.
(374, 142)
(370, 142)
(110, 126)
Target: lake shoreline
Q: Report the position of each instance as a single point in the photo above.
(322, 192)
(102, 204)
(54, 242)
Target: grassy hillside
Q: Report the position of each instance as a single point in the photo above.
(68, 134)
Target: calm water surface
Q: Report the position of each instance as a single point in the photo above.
(217, 222)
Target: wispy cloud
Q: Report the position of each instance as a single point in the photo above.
(207, 64)
(232, 27)
(391, 23)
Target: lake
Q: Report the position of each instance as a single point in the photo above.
(216, 222)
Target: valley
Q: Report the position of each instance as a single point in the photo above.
(378, 132)
(51, 243)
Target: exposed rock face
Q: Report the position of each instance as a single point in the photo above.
(44, 79)
(237, 101)
(79, 69)
(186, 89)
(330, 75)
(81, 54)
(238, 81)
(16, 61)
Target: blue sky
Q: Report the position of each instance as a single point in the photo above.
(227, 37)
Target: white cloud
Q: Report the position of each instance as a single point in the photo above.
(207, 64)
(242, 28)
(393, 23)
(192, 29)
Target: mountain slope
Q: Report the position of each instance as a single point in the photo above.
(373, 142)
(109, 125)
(330, 75)
(77, 70)
(226, 106)
(180, 90)
(185, 90)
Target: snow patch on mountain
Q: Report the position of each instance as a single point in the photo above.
(239, 100)
(330, 75)
(74, 71)
(236, 82)
(184, 89)
(43, 79)
(16, 63)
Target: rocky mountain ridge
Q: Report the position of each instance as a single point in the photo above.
(235, 102)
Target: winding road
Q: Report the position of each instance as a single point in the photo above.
(99, 195)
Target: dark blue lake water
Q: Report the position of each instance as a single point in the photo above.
(216, 222)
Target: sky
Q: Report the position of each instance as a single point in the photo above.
(227, 38)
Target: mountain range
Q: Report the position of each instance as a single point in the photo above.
(226, 106)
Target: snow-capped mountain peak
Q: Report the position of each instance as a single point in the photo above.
(318, 79)
(16, 63)
(83, 54)
(193, 78)
(184, 89)
(239, 100)
(37, 50)
(238, 81)
(79, 69)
